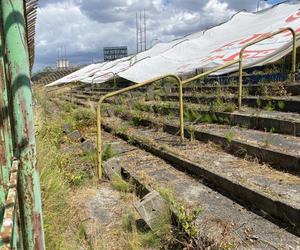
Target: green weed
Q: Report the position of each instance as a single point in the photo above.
(121, 185)
(229, 136)
(230, 107)
(107, 153)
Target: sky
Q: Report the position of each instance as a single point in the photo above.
(84, 27)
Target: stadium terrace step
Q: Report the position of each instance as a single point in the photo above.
(277, 89)
(281, 151)
(285, 104)
(260, 187)
(75, 101)
(86, 95)
(275, 121)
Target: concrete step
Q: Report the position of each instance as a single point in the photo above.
(276, 121)
(276, 88)
(280, 151)
(284, 104)
(249, 183)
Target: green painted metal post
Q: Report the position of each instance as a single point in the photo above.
(5, 129)
(23, 123)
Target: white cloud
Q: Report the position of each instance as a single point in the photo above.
(86, 26)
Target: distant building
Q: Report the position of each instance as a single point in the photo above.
(113, 53)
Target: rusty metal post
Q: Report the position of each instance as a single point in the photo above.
(23, 123)
(5, 129)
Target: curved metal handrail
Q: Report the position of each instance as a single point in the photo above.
(121, 91)
(257, 41)
(181, 83)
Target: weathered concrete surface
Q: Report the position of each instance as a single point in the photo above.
(152, 208)
(222, 219)
(268, 189)
(75, 135)
(111, 167)
(87, 146)
(281, 151)
(101, 210)
(279, 122)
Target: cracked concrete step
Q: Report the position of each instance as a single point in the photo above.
(281, 151)
(221, 219)
(285, 104)
(276, 121)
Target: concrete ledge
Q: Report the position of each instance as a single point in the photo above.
(272, 206)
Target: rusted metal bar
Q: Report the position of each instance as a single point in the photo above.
(7, 229)
(6, 154)
(29, 194)
(294, 58)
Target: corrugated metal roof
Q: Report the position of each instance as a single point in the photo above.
(31, 14)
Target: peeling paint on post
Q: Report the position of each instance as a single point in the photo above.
(23, 123)
(5, 129)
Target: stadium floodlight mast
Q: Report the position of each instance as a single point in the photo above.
(258, 3)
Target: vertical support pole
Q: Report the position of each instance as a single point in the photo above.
(115, 81)
(181, 110)
(240, 80)
(23, 124)
(99, 141)
(294, 57)
(6, 154)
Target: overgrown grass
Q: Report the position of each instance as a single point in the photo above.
(121, 185)
(55, 186)
(156, 238)
(57, 178)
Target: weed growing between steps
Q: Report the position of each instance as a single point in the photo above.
(174, 228)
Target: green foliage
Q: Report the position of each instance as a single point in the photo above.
(281, 105)
(135, 239)
(119, 184)
(217, 105)
(81, 231)
(269, 106)
(192, 133)
(136, 121)
(185, 217)
(107, 153)
(258, 103)
(268, 139)
(206, 118)
(141, 106)
(230, 107)
(122, 129)
(229, 136)
(191, 115)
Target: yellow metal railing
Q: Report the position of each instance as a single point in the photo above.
(181, 83)
(139, 85)
(257, 41)
(121, 91)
